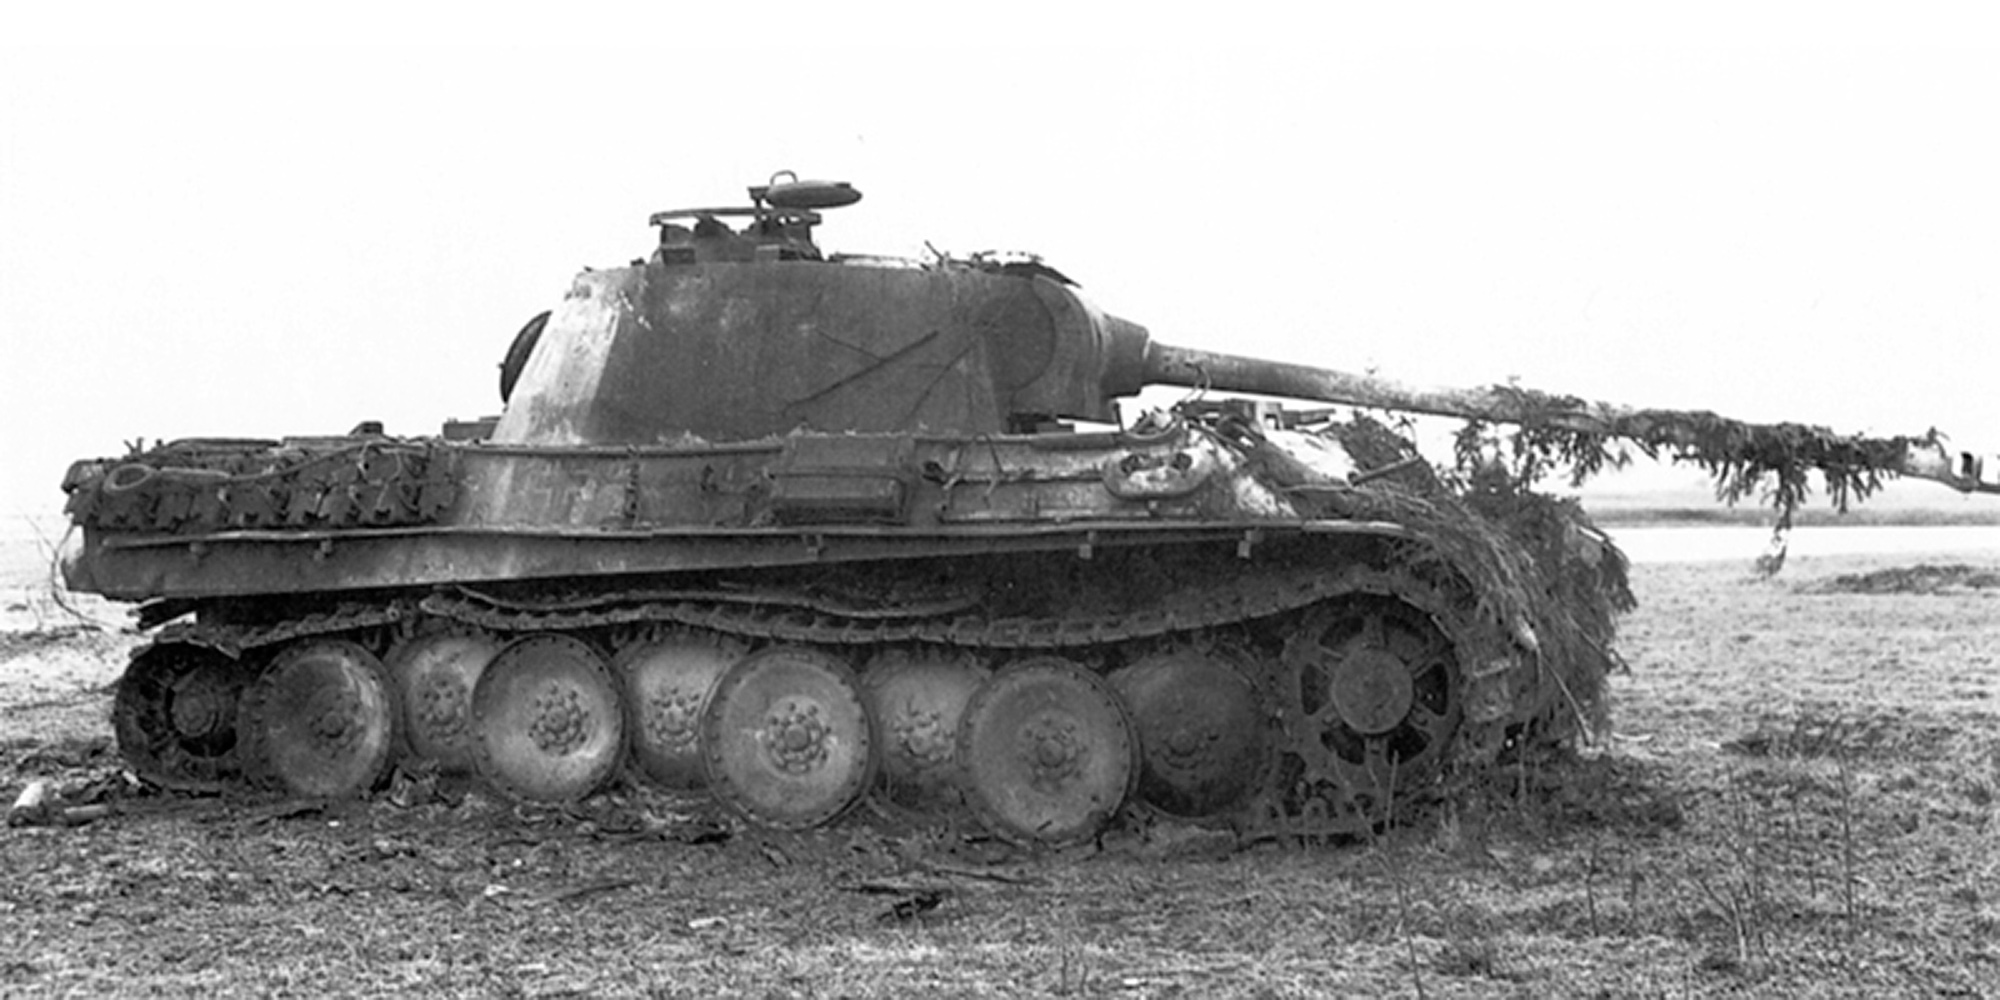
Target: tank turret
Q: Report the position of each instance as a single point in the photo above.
(734, 335)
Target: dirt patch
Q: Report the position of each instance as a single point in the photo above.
(1799, 800)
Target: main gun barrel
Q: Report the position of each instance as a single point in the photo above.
(1166, 364)
(1172, 365)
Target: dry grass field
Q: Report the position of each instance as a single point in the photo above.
(1798, 800)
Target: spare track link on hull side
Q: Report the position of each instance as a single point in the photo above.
(1483, 684)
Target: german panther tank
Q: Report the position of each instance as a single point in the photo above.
(797, 528)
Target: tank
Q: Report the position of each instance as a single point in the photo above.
(791, 529)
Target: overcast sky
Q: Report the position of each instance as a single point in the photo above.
(221, 224)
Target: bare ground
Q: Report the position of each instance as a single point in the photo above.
(1799, 800)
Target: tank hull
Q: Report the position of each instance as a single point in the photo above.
(549, 512)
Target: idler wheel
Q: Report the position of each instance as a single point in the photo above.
(667, 682)
(917, 701)
(435, 673)
(787, 738)
(1048, 752)
(1203, 729)
(321, 720)
(175, 716)
(547, 722)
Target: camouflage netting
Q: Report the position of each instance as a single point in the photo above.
(1552, 431)
(1530, 558)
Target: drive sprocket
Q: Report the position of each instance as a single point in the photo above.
(1368, 691)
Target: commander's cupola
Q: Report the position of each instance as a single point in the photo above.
(781, 217)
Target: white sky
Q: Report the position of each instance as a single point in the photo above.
(219, 222)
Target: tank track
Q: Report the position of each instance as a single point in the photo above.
(1488, 669)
